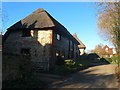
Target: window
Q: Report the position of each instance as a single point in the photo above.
(26, 33)
(25, 51)
(106, 49)
(57, 53)
(58, 37)
(63, 54)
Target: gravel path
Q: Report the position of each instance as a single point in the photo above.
(93, 77)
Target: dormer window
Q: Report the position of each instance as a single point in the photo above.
(58, 37)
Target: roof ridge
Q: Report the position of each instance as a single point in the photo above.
(81, 44)
(39, 10)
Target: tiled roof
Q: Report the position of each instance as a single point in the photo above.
(110, 50)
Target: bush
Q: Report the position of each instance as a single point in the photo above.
(109, 60)
(73, 64)
(69, 67)
(104, 61)
(70, 62)
(112, 59)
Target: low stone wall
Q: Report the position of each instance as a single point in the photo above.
(15, 66)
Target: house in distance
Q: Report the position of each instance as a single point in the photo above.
(42, 38)
(108, 52)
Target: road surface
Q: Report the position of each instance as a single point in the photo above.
(94, 77)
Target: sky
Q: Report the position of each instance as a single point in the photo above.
(77, 17)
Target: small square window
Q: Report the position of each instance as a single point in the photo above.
(26, 33)
(58, 37)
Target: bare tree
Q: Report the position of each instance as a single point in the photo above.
(98, 50)
(109, 23)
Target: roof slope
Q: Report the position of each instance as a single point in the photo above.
(110, 50)
(38, 19)
(81, 45)
(105, 47)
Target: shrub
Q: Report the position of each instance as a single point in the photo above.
(109, 60)
(69, 62)
(114, 59)
(70, 66)
(104, 61)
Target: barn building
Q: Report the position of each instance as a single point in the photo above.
(42, 38)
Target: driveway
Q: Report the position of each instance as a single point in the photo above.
(93, 77)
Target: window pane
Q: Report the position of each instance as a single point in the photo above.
(58, 37)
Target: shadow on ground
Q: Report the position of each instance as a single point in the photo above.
(87, 79)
